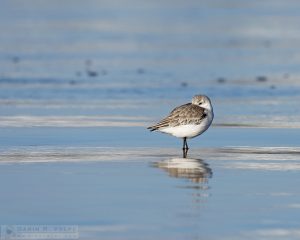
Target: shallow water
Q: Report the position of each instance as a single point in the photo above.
(73, 64)
(81, 81)
(122, 193)
(131, 191)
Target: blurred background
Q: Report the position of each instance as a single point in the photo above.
(127, 63)
(80, 80)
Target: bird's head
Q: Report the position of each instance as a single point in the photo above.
(202, 101)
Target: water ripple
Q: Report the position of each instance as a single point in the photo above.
(248, 158)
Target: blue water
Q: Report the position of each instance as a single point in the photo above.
(143, 200)
(79, 83)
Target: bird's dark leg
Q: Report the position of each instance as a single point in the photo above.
(185, 148)
(184, 153)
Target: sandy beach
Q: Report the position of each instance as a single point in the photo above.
(81, 80)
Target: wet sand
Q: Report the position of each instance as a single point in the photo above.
(152, 198)
(136, 191)
(80, 82)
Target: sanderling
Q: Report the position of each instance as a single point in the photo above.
(188, 120)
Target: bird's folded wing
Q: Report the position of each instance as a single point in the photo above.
(182, 115)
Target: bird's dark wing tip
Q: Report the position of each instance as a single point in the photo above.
(152, 128)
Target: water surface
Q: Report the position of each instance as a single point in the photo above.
(79, 83)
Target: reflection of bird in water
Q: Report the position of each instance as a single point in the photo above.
(188, 120)
(195, 170)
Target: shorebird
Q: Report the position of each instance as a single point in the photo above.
(188, 120)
